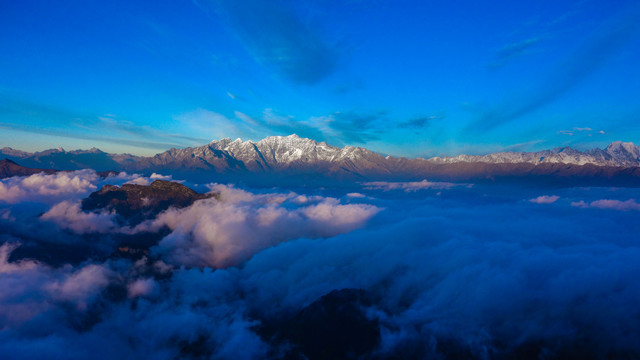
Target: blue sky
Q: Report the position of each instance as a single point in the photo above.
(409, 78)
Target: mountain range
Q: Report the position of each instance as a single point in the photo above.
(282, 158)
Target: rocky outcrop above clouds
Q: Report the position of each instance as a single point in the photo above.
(136, 203)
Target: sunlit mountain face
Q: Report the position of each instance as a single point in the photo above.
(319, 180)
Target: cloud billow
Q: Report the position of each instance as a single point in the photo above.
(478, 270)
(229, 230)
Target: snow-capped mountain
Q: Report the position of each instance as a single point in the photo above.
(288, 157)
(616, 154)
(281, 152)
(272, 154)
(293, 153)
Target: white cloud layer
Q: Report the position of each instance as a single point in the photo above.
(47, 188)
(31, 289)
(226, 231)
(545, 199)
(69, 215)
(627, 205)
(64, 185)
(479, 270)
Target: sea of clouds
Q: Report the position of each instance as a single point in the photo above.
(454, 270)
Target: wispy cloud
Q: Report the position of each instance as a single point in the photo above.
(596, 51)
(619, 205)
(581, 130)
(412, 186)
(510, 51)
(146, 132)
(339, 127)
(81, 136)
(357, 128)
(419, 122)
(20, 115)
(279, 39)
(525, 146)
(313, 128)
(545, 199)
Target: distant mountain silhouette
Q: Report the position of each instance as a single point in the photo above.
(9, 168)
(69, 160)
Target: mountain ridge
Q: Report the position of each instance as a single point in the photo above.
(9, 168)
(282, 157)
(617, 153)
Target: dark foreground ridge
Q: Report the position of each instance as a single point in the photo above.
(334, 326)
(136, 203)
(9, 168)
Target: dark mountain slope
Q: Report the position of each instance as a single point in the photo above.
(135, 203)
(9, 168)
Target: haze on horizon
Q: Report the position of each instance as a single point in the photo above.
(406, 78)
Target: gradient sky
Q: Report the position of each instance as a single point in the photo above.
(410, 78)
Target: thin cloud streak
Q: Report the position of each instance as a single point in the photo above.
(595, 53)
(107, 128)
(114, 140)
(277, 38)
(513, 50)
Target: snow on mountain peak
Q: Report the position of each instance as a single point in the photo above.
(280, 150)
(617, 145)
(624, 151)
(616, 154)
(294, 152)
